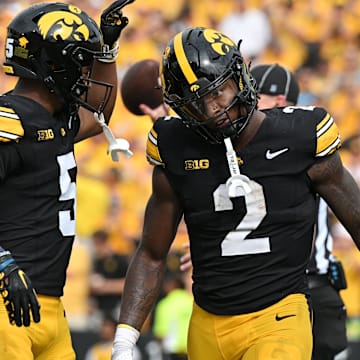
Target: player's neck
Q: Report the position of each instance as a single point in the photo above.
(250, 130)
(36, 91)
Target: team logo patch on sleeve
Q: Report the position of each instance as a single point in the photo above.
(10, 125)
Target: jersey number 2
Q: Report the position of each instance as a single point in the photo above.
(235, 242)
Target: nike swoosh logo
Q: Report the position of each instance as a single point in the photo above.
(279, 318)
(271, 155)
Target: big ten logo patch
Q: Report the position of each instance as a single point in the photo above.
(201, 164)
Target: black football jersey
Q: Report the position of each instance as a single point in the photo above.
(37, 191)
(251, 250)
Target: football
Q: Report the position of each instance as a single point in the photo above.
(140, 85)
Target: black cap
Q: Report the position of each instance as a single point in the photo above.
(275, 80)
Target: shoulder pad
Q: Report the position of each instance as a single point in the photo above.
(11, 128)
(163, 130)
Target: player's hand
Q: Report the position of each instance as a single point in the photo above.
(185, 260)
(113, 21)
(160, 111)
(19, 296)
(122, 355)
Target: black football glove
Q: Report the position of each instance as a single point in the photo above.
(19, 296)
(113, 22)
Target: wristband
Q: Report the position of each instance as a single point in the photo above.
(110, 55)
(6, 263)
(125, 337)
(6, 258)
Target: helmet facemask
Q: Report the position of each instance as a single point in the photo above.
(210, 71)
(73, 78)
(194, 115)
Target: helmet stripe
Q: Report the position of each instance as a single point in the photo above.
(182, 60)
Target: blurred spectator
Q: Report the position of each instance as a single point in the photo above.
(172, 316)
(101, 350)
(93, 198)
(250, 25)
(307, 96)
(107, 275)
(76, 290)
(120, 237)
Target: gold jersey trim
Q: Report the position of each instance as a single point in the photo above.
(152, 150)
(328, 137)
(10, 125)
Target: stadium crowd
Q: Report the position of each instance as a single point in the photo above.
(318, 40)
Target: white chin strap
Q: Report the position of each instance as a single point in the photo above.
(115, 145)
(237, 184)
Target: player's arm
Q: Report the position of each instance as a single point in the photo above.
(339, 189)
(111, 24)
(145, 274)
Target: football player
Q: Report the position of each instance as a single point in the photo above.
(66, 68)
(245, 181)
(277, 86)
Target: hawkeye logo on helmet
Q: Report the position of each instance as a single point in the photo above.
(219, 42)
(64, 25)
(194, 88)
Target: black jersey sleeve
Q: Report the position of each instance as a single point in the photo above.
(11, 132)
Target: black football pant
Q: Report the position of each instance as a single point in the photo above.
(329, 323)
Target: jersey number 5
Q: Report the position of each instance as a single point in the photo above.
(67, 192)
(235, 242)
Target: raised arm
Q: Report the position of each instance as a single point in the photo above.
(111, 24)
